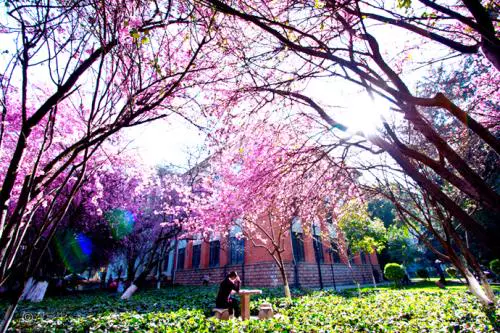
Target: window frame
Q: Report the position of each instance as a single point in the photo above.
(298, 246)
(181, 253)
(237, 250)
(318, 249)
(214, 258)
(196, 257)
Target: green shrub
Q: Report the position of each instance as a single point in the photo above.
(423, 273)
(495, 266)
(452, 272)
(394, 272)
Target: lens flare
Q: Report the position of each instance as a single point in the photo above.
(121, 222)
(74, 249)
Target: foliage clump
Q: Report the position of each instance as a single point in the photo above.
(423, 273)
(394, 272)
(361, 232)
(452, 272)
(495, 266)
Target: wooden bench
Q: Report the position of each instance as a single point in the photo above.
(222, 314)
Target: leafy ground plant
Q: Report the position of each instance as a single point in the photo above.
(182, 309)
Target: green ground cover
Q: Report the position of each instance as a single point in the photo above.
(419, 308)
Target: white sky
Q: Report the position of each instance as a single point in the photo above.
(165, 141)
(170, 141)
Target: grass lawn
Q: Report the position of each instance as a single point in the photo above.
(419, 308)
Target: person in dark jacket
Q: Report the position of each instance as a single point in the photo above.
(228, 287)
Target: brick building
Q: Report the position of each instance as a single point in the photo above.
(309, 262)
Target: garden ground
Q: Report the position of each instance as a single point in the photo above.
(418, 308)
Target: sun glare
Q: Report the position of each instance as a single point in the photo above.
(364, 114)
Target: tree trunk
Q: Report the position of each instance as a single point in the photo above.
(130, 268)
(103, 278)
(129, 292)
(353, 277)
(317, 256)
(139, 282)
(158, 275)
(472, 282)
(281, 267)
(9, 314)
(27, 287)
(472, 261)
(11, 309)
(491, 52)
(37, 291)
(486, 287)
(475, 288)
(286, 285)
(371, 267)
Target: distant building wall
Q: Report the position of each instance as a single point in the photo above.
(257, 268)
(266, 274)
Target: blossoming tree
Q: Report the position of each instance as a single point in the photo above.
(74, 75)
(269, 178)
(327, 40)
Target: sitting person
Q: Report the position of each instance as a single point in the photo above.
(228, 287)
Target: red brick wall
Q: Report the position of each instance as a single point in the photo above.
(266, 274)
(260, 269)
(256, 255)
(374, 258)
